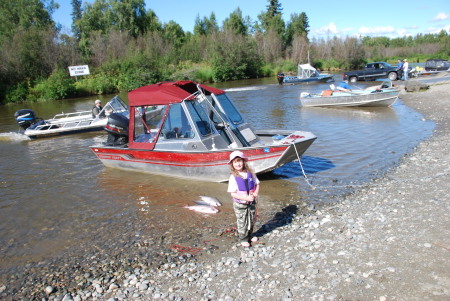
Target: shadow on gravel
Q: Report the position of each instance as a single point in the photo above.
(280, 219)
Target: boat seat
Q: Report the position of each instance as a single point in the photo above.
(327, 93)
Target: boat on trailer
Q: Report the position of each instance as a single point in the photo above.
(383, 95)
(188, 130)
(68, 123)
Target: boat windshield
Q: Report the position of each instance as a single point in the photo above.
(230, 110)
(115, 105)
(147, 122)
(200, 118)
(177, 124)
(118, 105)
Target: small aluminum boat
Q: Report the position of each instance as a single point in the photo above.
(383, 95)
(188, 130)
(68, 123)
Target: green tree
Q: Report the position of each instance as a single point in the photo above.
(76, 14)
(122, 15)
(174, 33)
(27, 35)
(235, 23)
(128, 16)
(205, 26)
(23, 14)
(199, 27)
(152, 22)
(235, 57)
(272, 18)
(298, 25)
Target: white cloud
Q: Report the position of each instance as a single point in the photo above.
(376, 31)
(403, 32)
(436, 30)
(331, 29)
(328, 29)
(441, 17)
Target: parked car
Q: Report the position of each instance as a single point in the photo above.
(437, 65)
(373, 71)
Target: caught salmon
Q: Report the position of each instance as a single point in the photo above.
(210, 200)
(203, 209)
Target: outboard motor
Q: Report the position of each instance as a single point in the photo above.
(25, 118)
(280, 77)
(117, 128)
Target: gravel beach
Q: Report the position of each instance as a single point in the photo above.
(390, 240)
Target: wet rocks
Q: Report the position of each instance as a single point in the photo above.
(415, 86)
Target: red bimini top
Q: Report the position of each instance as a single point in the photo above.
(164, 93)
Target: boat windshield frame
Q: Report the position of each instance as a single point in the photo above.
(223, 104)
(144, 132)
(199, 116)
(115, 105)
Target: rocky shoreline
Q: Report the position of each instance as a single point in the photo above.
(387, 241)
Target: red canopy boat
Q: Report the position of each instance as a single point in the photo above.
(188, 130)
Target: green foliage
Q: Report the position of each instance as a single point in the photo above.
(120, 15)
(136, 77)
(206, 26)
(288, 66)
(57, 86)
(19, 15)
(124, 75)
(272, 18)
(196, 72)
(235, 57)
(329, 65)
(268, 70)
(235, 23)
(17, 93)
(99, 83)
(299, 25)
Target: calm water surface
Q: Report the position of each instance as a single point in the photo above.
(56, 196)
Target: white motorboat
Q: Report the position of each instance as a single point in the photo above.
(68, 123)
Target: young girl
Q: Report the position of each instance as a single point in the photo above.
(244, 188)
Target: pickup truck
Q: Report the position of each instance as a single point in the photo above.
(371, 72)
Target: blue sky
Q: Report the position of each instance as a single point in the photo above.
(326, 18)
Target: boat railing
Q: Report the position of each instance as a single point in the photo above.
(73, 115)
(62, 125)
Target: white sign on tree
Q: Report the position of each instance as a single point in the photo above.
(79, 70)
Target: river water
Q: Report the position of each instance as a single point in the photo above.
(56, 198)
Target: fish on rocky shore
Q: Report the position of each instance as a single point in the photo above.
(203, 209)
(210, 200)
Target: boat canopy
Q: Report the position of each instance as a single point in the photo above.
(164, 93)
(306, 71)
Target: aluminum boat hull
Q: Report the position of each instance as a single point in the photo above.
(65, 131)
(352, 99)
(299, 80)
(211, 166)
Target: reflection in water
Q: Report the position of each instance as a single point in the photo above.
(55, 195)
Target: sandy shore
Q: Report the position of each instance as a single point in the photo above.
(388, 241)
